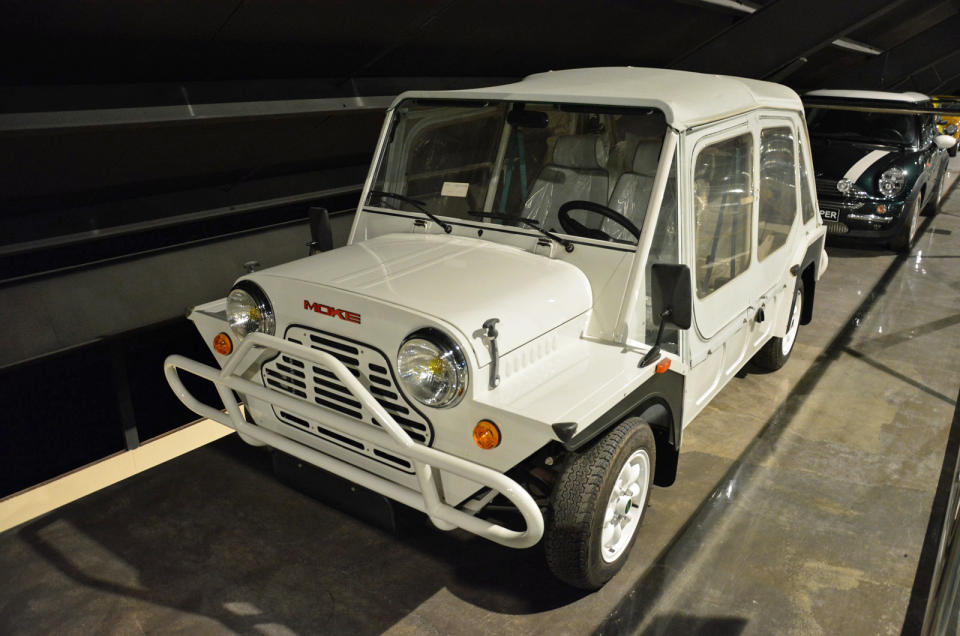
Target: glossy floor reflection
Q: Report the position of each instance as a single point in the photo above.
(801, 506)
(819, 526)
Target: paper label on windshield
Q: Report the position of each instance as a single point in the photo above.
(454, 189)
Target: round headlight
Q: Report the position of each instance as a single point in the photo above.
(432, 368)
(892, 181)
(249, 310)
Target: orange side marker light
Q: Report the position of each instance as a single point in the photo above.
(222, 344)
(486, 434)
(663, 365)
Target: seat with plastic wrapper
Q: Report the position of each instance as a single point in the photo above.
(632, 191)
(576, 173)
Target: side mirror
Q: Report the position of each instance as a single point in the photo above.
(671, 300)
(321, 236)
(951, 129)
(944, 142)
(671, 296)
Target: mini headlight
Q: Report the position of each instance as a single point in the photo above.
(432, 368)
(892, 181)
(249, 310)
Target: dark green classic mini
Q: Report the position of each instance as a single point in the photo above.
(876, 169)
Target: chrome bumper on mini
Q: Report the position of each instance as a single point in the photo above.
(871, 218)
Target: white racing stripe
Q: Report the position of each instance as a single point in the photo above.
(857, 169)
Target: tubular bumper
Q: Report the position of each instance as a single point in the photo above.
(424, 458)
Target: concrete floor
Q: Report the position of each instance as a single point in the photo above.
(802, 505)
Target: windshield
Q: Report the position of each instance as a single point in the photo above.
(855, 125)
(520, 160)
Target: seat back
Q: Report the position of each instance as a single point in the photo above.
(632, 191)
(575, 173)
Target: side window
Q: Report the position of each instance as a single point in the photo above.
(778, 190)
(807, 210)
(723, 211)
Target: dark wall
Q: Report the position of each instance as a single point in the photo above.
(65, 409)
(104, 41)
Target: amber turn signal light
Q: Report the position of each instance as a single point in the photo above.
(663, 365)
(486, 434)
(222, 344)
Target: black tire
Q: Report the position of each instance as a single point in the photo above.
(580, 500)
(772, 355)
(953, 150)
(904, 240)
(933, 205)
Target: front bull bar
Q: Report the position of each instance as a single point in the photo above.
(393, 437)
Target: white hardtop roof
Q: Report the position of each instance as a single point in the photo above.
(686, 99)
(879, 95)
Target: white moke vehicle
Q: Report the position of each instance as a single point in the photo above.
(545, 282)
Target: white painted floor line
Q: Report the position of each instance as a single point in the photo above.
(39, 500)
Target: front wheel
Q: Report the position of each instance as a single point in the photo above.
(598, 503)
(904, 240)
(775, 353)
(933, 205)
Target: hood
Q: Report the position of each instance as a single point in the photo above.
(457, 280)
(860, 162)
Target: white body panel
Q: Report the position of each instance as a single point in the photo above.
(726, 333)
(462, 281)
(605, 267)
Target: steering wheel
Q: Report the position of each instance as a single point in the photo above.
(572, 226)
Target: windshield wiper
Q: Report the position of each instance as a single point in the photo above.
(567, 245)
(417, 204)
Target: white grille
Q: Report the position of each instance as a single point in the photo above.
(318, 385)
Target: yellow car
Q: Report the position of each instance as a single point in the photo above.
(953, 103)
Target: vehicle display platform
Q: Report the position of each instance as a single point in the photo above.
(803, 505)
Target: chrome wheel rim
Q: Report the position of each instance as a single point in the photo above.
(625, 506)
(786, 345)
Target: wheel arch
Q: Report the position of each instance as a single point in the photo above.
(809, 267)
(809, 278)
(659, 402)
(666, 433)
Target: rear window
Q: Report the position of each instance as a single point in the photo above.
(778, 190)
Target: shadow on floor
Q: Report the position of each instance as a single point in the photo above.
(257, 552)
(696, 625)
